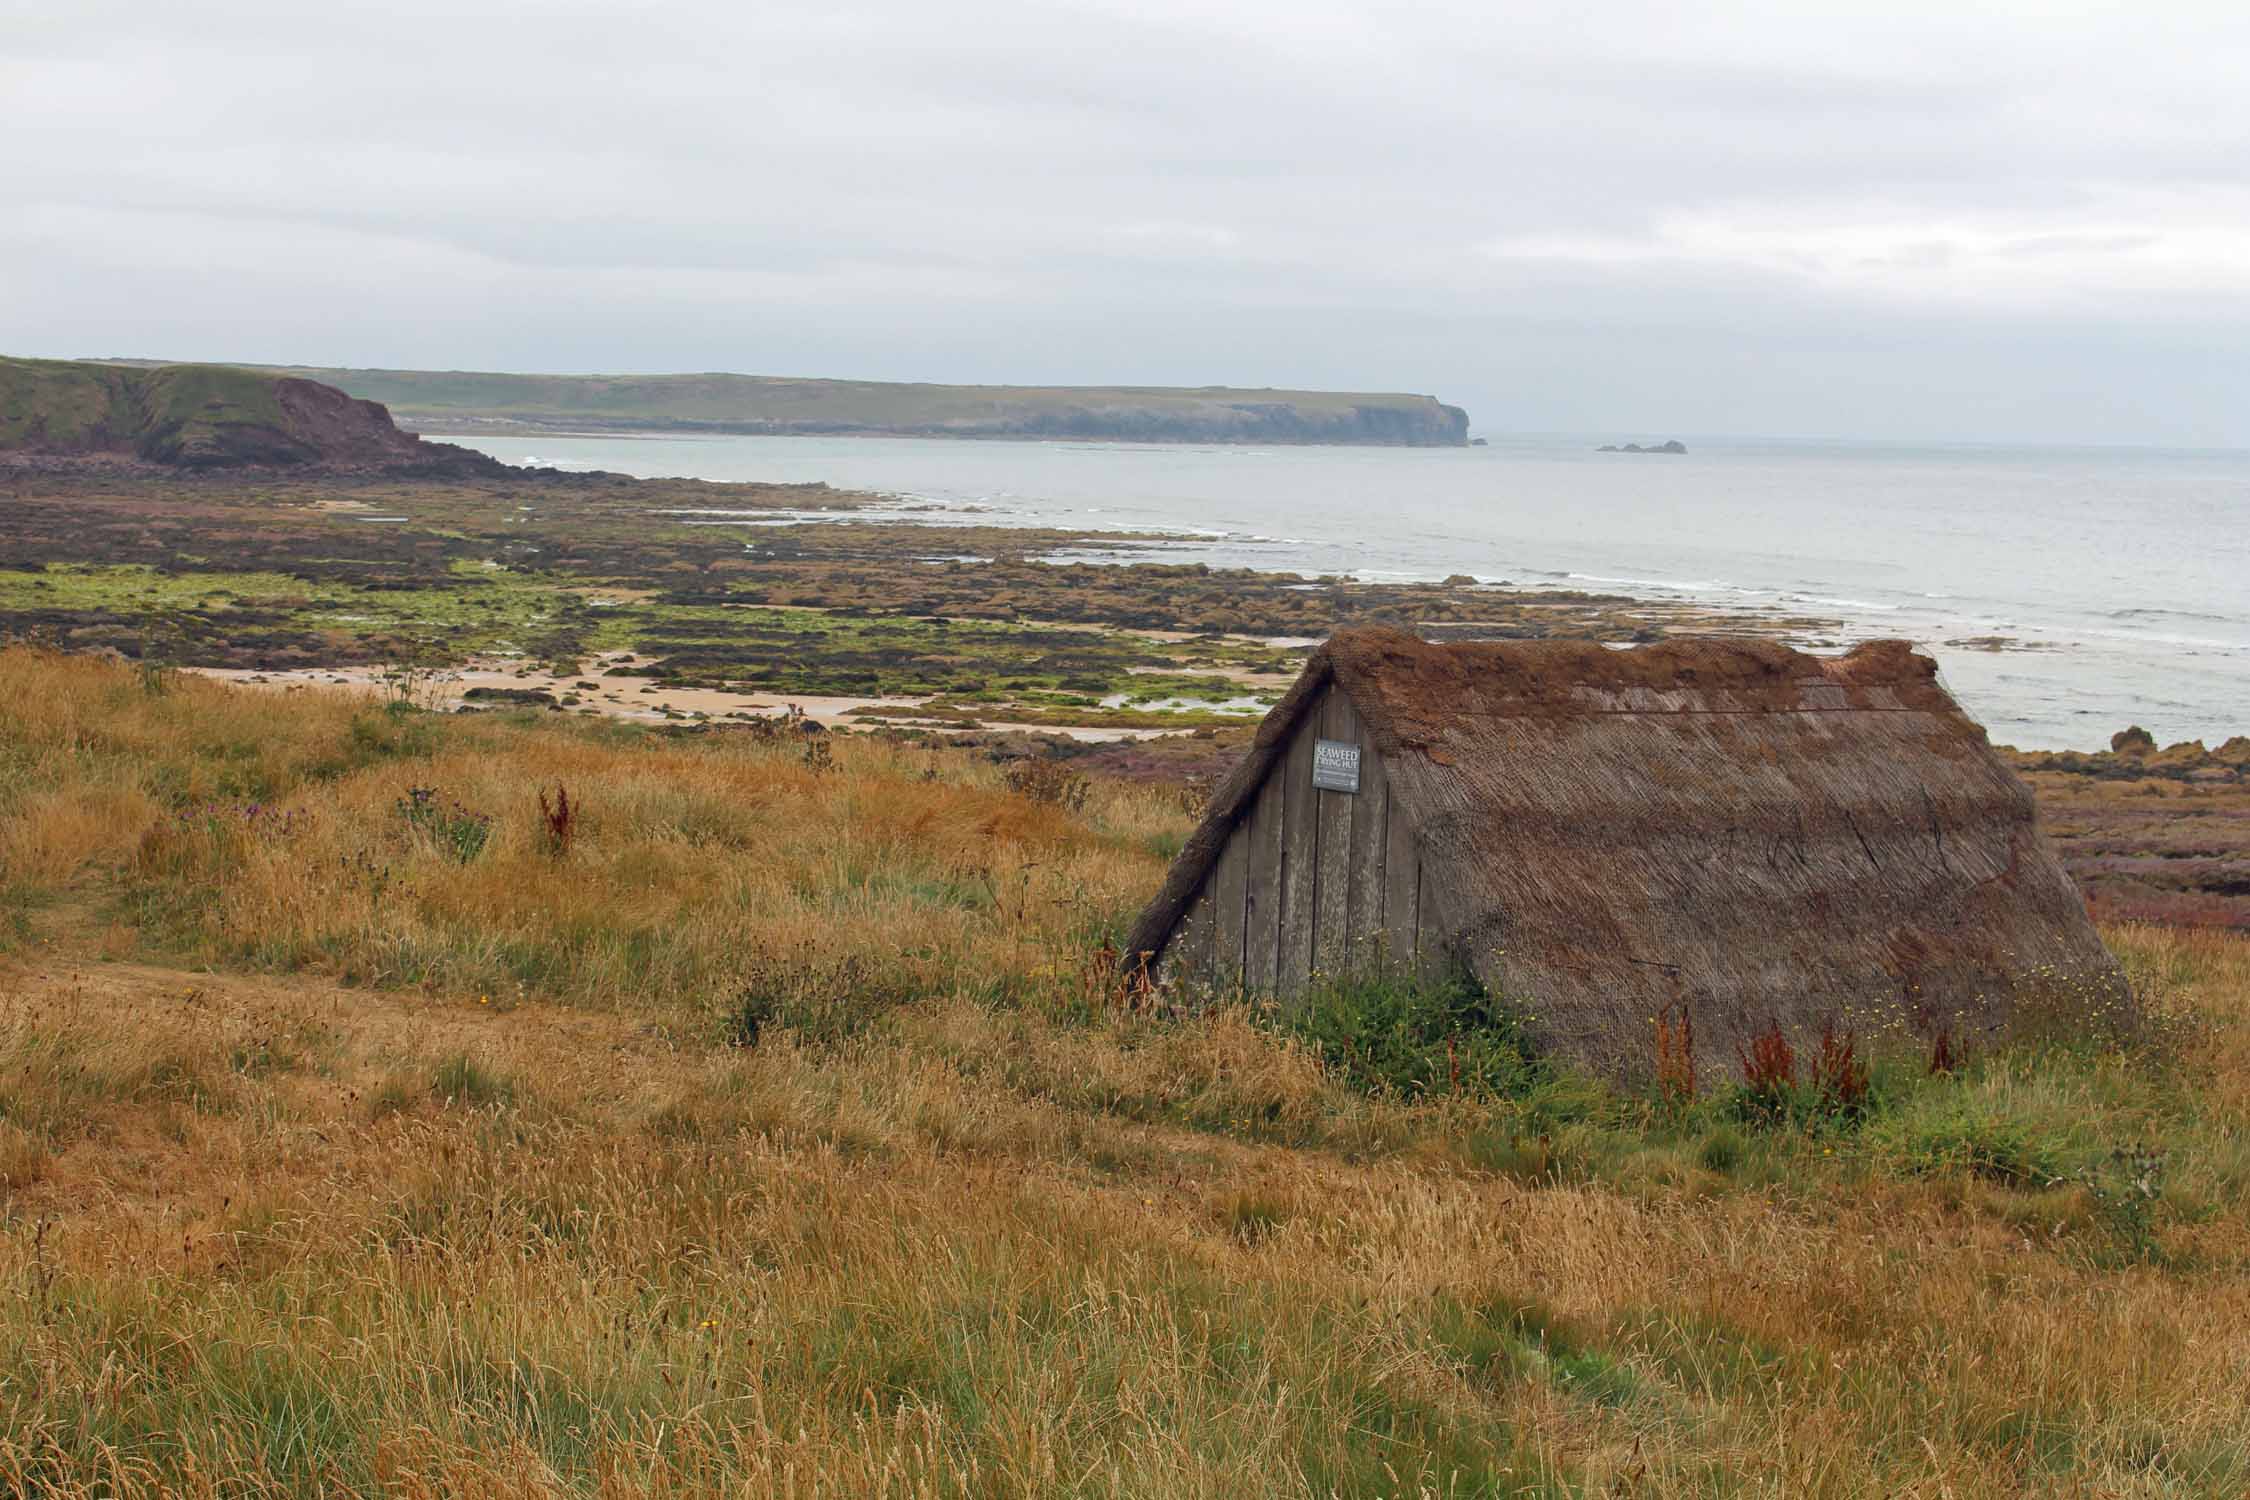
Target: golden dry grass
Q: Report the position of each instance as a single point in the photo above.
(458, 1188)
(263, 830)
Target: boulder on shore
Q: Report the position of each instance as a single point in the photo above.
(2132, 741)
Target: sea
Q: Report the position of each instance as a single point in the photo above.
(2065, 592)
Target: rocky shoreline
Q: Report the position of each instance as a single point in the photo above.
(2151, 834)
(974, 624)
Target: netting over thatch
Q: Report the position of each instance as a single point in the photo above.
(1730, 825)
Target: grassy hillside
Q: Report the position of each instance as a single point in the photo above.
(782, 1129)
(201, 416)
(69, 407)
(755, 403)
(64, 405)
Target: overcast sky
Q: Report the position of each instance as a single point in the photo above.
(1898, 220)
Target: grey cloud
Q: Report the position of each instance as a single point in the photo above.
(1563, 216)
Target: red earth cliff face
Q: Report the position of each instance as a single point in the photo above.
(344, 429)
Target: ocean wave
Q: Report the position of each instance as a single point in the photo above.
(1675, 585)
(2167, 638)
(1830, 603)
(2156, 612)
(1720, 588)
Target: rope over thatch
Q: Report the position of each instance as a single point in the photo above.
(1732, 825)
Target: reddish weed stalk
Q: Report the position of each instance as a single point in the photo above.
(1111, 980)
(1675, 1054)
(559, 819)
(1942, 1058)
(1769, 1066)
(1839, 1073)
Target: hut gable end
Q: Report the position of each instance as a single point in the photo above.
(1287, 880)
(1759, 835)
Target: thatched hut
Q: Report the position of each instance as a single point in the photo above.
(1726, 828)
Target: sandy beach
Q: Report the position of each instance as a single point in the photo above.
(615, 688)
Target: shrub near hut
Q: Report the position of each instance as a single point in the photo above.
(1050, 781)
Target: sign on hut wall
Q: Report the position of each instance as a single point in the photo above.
(1335, 765)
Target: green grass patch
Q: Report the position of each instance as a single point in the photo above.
(1414, 1038)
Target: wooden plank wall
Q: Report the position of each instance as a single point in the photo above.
(1300, 851)
(1312, 883)
(1261, 917)
(1332, 881)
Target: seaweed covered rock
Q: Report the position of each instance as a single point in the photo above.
(2133, 741)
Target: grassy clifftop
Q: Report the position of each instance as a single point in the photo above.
(771, 404)
(60, 406)
(199, 416)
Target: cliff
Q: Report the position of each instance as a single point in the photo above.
(462, 400)
(206, 417)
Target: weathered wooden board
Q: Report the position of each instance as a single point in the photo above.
(1300, 853)
(1189, 957)
(1261, 923)
(1227, 881)
(1332, 931)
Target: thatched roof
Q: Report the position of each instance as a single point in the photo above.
(1759, 833)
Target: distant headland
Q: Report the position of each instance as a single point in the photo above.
(1674, 446)
(478, 402)
(188, 417)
